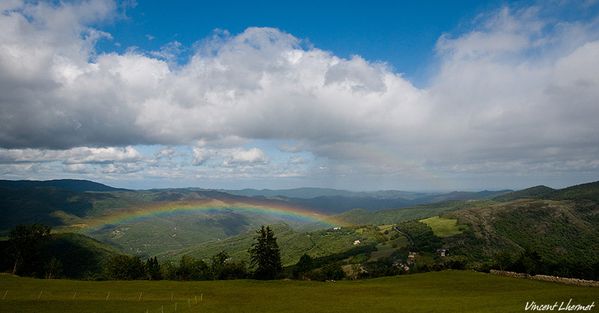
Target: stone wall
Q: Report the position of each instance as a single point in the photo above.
(556, 279)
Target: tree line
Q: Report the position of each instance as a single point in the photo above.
(27, 253)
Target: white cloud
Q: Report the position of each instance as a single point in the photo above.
(79, 155)
(519, 88)
(200, 155)
(246, 156)
(203, 154)
(165, 153)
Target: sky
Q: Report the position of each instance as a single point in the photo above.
(423, 96)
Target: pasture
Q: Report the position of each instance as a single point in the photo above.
(448, 291)
(443, 227)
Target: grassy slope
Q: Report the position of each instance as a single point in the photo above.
(558, 230)
(79, 254)
(443, 227)
(293, 244)
(450, 291)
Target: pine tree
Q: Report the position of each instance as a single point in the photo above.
(153, 269)
(265, 256)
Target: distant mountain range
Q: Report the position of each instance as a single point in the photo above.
(561, 225)
(311, 192)
(334, 201)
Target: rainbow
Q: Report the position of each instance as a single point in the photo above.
(281, 210)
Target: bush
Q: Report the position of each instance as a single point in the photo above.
(331, 271)
(123, 267)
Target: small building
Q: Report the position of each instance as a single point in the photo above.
(411, 257)
(443, 252)
(402, 266)
(357, 242)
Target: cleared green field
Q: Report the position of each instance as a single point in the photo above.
(443, 227)
(450, 291)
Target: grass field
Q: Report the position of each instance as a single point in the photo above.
(443, 227)
(293, 244)
(450, 291)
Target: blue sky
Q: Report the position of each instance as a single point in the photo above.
(439, 95)
(402, 34)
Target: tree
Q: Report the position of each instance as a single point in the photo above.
(303, 266)
(265, 256)
(125, 267)
(502, 260)
(25, 243)
(222, 267)
(192, 269)
(153, 269)
(217, 264)
(333, 271)
(528, 262)
(53, 268)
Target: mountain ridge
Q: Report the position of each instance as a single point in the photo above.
(78, 185)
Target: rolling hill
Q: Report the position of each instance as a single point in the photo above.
(79, 256)
(563, 230)
(293, 244)
(560, 224)
(560, 231)
(116, 216)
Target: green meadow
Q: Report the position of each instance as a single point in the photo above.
(448, 291)
(443, 227)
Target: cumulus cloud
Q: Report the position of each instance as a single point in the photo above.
(79, 155)
(203, 154)
(246, 156)
(518, 89)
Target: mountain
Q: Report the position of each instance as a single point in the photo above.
(311, 192)
(537, 192)
(333, 201)
(146, 222)
(22, 204)
(588, 192)
(64, 184)
(464, 195)
(561, 225)
(561, 232)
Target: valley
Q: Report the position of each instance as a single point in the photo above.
(560, 226)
